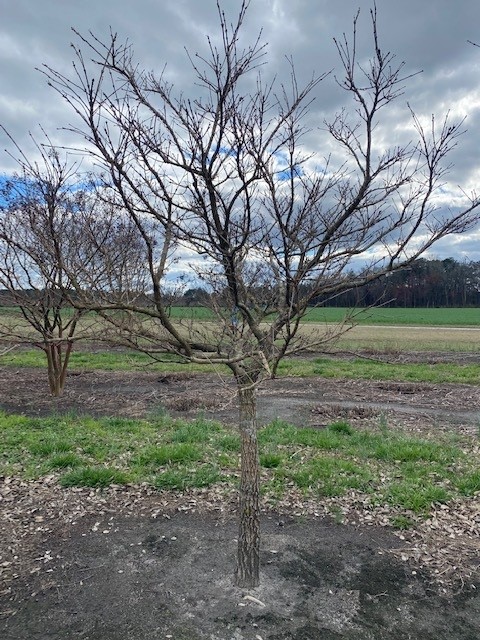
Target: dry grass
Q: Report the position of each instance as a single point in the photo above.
(398, 338)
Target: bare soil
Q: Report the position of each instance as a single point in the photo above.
(302, 401)
(130, 563)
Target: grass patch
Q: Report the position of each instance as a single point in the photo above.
(99, 477)
(410, 474)
(331, 476)
(415, 496)
(321, 439)
(48, 446)
(104, 360)
(271, 460)
(278, 432)
(63, 461)
(455, 317)
(229, 442)
(359, 369)
(341, 427)
(469, 485)
(363, 369)
(405, 449)
(197, 431)
(181, 479)
(168, 454)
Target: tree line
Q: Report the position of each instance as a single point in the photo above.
(424, 283)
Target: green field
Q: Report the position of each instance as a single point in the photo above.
(465, 317)
(449, 317)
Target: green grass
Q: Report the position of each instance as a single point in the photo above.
(415, 496)
(63, 461)
(406, 473)
(402, 522)
(408, 449)
(113, 360)
(469, 484)
(342, 426)
(197, 431)
(329, 475)
(229, 442)
(100, 477)
(168, 454)
(191, 313)
(359, 368)
(365, 369)
(454, 317)
(50, 444)
(187, 478)
(271, 460)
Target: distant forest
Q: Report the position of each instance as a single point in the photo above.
(425, 283)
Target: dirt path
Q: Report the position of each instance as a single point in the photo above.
(135, 567)
(302, 401)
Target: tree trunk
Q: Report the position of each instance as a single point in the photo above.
(53, 381)
(57, 364)
(247, 572)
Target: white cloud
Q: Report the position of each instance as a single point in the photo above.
(431, 36)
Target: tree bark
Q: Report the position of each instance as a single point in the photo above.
(57, 364)
(247, 572)
(53, 381)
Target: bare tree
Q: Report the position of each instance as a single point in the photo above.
(50, 222)
(227, 178)
(34, 228)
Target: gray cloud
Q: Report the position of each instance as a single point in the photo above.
(430, 36)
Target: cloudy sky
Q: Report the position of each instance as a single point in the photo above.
(429, 35)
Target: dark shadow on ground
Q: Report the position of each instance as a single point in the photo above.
(144, 578)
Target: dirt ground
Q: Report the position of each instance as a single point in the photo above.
(302, 401)
(130, 563)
